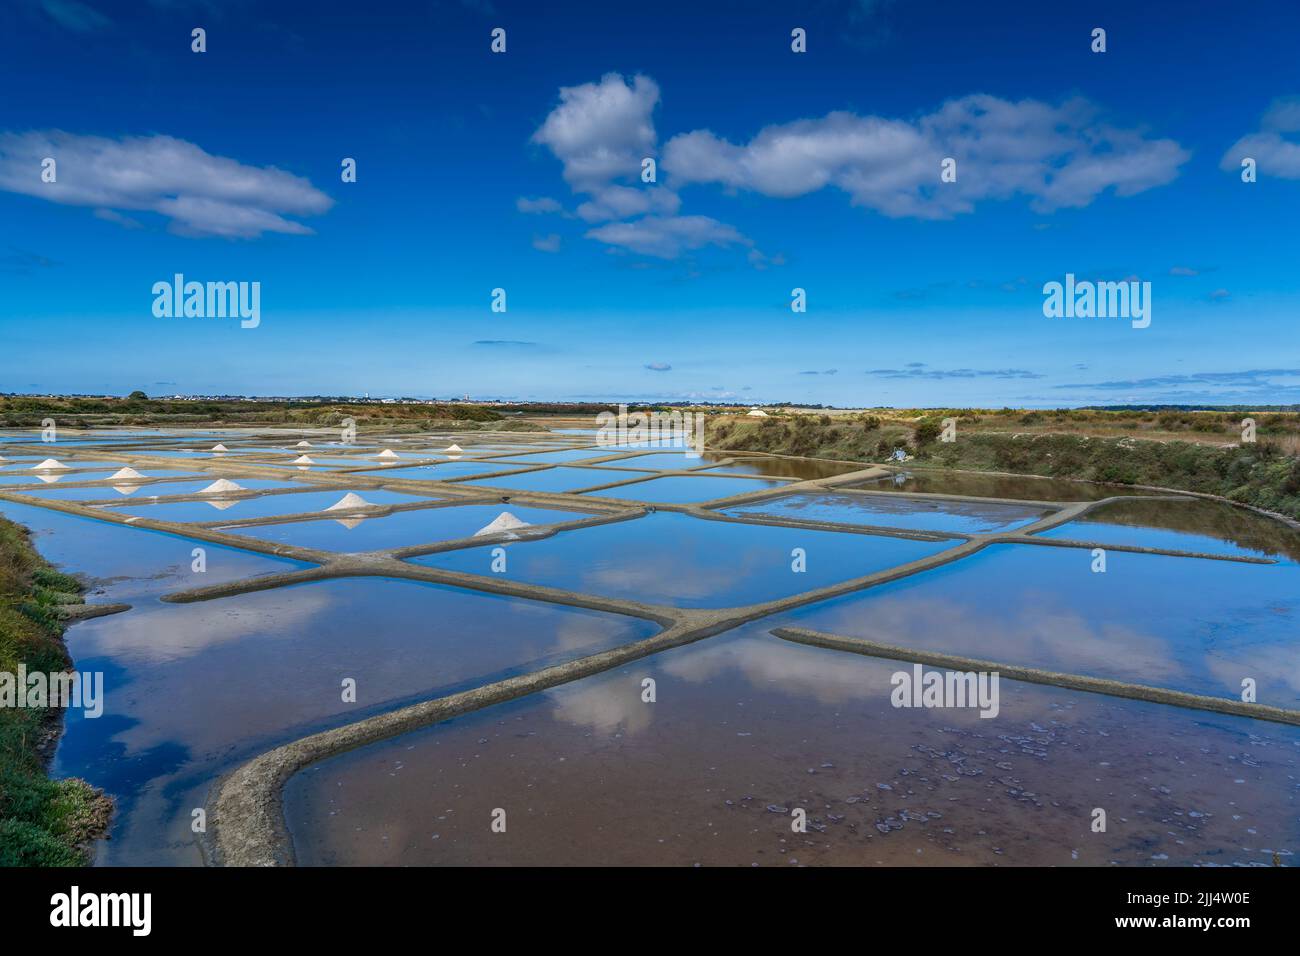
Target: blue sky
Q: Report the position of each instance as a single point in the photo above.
(776, 170)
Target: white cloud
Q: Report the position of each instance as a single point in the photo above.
(622, 202)
(201, 194)
(1274, 154)
(550, 243)
(667, 237)
(1058, 156)
(542, 204)
(601, 131)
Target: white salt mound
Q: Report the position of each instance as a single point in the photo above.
(49, 464)
(350, 502)
(387, 453)
(219, 486)
(219, 447)
(126, 474)
(453, 447)
(304, 444)
(303, 460)
(503, 522)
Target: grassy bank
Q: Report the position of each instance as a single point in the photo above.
(25, 411)
(43, 822)
(1264, 474)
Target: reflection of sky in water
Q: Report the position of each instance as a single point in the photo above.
(995, 486)
(678, 489)
(419, 526)
(674, 559)
(1189, 624)
(573, 454)
(193, 689)
(263, 507)
(592, 774)
(443, 471)
(556, 479)
(1210, 527)
(884, 511)
(130, 565)
(123, 491)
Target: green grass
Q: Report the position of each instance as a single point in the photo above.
(43, 822)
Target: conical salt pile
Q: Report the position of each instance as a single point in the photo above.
(219, 486)
(49, 464)
(304, 444)
(387, 453)
(503, 522)
(126, 474)
(303, 460)
(453, 447)
(218, 447)
(350, 502)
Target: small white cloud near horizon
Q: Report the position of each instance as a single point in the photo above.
(200, 194)
(1274, 154)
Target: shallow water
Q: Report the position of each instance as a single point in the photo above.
(663, 460)
(443, 471)
(126, 565)
(675, 559)
(996, 486)
(746, 729)
(803, 469)
(1184, 623)
(403, 529)
(893, 512)
(144, 492)
(559, 457)
(265, 506)
(28, 477)
(683, 489)
(743, 722)
(1210, 527)
(192, 690)
(559, 478)
(123, 491)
